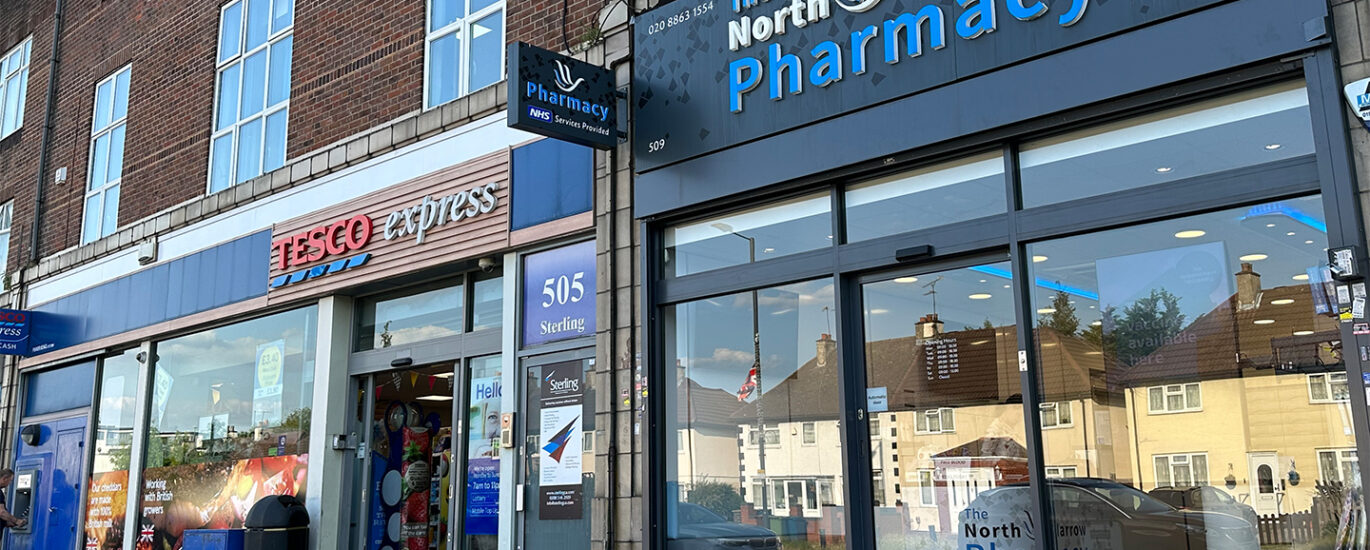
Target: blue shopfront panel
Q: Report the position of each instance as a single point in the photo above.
(212, 278)
(57, 390)
(552, 179)
(55, 463)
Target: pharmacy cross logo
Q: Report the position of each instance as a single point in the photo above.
(563, 76)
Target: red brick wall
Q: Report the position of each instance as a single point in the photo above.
(355, 65)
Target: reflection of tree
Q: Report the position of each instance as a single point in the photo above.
(1062, 317)
(1146, 325)
(179, 448)
(719, 498)
(386, 335)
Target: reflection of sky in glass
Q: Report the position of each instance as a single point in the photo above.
(713, 337)
(419, 317)
(1124, 264)
(929, 197)
(786, 228)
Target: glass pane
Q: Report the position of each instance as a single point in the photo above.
(13, 110)
(99, 163)
(411, 317)
(946, 340)
(444, 69)
(113, 441)
(1174, 402)
(229, 415)
(1157, 401)
(110, 213)
(1328, 467)
(487, 47)
(487, 311)
(761, 234)
(444, 12)
(258, 16)
(221, 154)
(1227, 306)
(1064, 410)
(230, 31)
(1317, 386)
(254, 84)
(275, 140)
(783, 383)
(228, 96)
(412, 434)
(483, 450)
(249, 151)
(1236, 131)
(116, 154)
(121, 94)
(477, 5)
(280, 71)
(928, 197)
(282, 15)
(91, 220)
(103, 105)
(1163, 472)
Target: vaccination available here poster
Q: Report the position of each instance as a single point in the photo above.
(482, 469)
(559, 442)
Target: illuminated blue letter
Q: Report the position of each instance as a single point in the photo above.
(1026, 13)
(976, 20)
(827, 66)
(858, 48)
(738, 85)
(912, 24)
(778, 65)
(1077, 11)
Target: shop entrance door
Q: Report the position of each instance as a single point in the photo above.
(557, 474)
(1265, 483)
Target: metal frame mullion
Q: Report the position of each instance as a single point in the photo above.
(855, 419)
(461, 401)
(651, 346)
(1040, 504)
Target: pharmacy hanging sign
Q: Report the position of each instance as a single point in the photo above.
(561, 97)
(709, 74)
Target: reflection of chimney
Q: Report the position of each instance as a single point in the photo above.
(1248, 288)
(826, 346)
(929, 326)
(679, 370)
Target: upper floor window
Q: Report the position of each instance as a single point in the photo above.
(810, 433)
(935, 421)
(6, 219)
(1174, 398)
(1056, 415)
(1328, 388)
(106, 156)
(252, 91)
(465, 48)
(14, 81)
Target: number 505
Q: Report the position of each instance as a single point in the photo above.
(563, 289)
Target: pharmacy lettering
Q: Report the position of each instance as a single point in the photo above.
(712, 73)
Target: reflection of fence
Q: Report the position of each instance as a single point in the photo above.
(1319, 521)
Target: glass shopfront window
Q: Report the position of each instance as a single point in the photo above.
(776, 230)
(727, 485)
(1234, 131)
(410, 316)
(228, 423)
(1202, 353)
(487, 301)
(107, 489)
(929, 197)
(940, 357)
(481, 524)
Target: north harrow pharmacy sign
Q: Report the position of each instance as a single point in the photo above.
(709, 74)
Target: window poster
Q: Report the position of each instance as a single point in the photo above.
(269, 383)
(560, 442)
(482, 458)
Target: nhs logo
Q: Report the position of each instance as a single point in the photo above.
(539, 113)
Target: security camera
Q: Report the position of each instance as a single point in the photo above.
(486, 264)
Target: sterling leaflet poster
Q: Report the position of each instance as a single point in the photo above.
(559, 442)
(269, 383)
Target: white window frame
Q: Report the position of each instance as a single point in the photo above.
(770, 429)
(1180, 458)
(1170, 390)
(1058, 472)
(6, 223)
(96, 134)
(927, 487)
(808, 434)
(272, 38)
(1057, 407)
(15, 73)
(462, 27)
(1327, 382)
(1343, 460)
(946, 421)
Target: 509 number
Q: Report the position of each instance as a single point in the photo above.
(657, 145)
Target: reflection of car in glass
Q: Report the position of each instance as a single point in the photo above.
(1098, 513)
(701, 529)
(1206, 499)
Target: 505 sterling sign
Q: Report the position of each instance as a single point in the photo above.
(709, 74)
(561, 97)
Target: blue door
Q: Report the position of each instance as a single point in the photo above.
(58, 459)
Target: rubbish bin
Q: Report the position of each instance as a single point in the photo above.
(278, 522)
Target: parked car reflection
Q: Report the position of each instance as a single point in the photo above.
(1103, 515)
(1206, 499)
(702, 529)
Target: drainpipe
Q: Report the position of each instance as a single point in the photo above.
(611, 204)
(50, 113)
